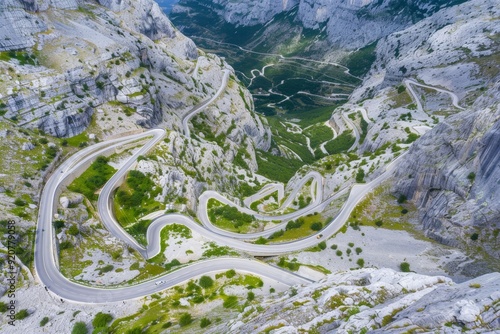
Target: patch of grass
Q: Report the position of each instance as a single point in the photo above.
(93, 178)
(340, 144)
(302, 231)
(277, 168)
(135, 198)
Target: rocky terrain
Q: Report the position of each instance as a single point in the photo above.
(361, 21)
(377, 301)
(451, 172)
(75, 72)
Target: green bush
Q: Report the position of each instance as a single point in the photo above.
(405, 267)
(3, 307)
(316, 226)
(206, 282)
(230, 273)
(79, 328)
(360, 176)
(204, 322)
(101, 320)
(65, 245)
(322, 245)
(360, 263)
(73, 230)
(250, 296)
(22, 314)
(185, 319)
(44, 321)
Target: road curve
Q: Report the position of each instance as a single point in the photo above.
(409, 82)
(46, 252)
(204, 104)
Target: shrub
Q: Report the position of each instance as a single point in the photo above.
(322, 245)
(185, 319)
(79, 328)
(404, 211)
(230, 273)
(471, 177)
(44, 321)
(65, 245)
(101, 320)
(474, 236)
(358, 250)
(206, 282)
(405, 267)
(205, 322)
(379, 223)
(360, 176)
(19, 202)
(3, 307)
(360, 263)
(22, 314)
(402, 199)
(339, 252)
(250, 296)
(73, 230)
(316, 226)
(334, 247)
(351, 244)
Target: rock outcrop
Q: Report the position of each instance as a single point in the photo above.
(377, 301)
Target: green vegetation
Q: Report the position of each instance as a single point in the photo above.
(23, 57)
(405, 267)
(204, 322)
(340, 144)
(101, 320)
(44, 321)
(228, 217)
(22, 314)
(93, 178)
(185, 319)
(206, 282)
(290, 265)
(318, 134)
(135, 198)
(79, 328)
(298, 229)
(277, 168)
(360, 61)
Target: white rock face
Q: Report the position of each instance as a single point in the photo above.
(380, 301)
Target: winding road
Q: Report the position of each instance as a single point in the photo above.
(46, 255)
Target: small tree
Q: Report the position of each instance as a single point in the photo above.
(22, 314)
(360, 263)
(44, 321)
(206, 282)
(316, 226)
(358, 250)
(405, 267)
(230, 273)
(79, 328)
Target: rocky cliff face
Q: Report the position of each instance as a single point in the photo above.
(377, 301)
(349, 24)
(453, 175)
(452, 172)
(67, 59)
